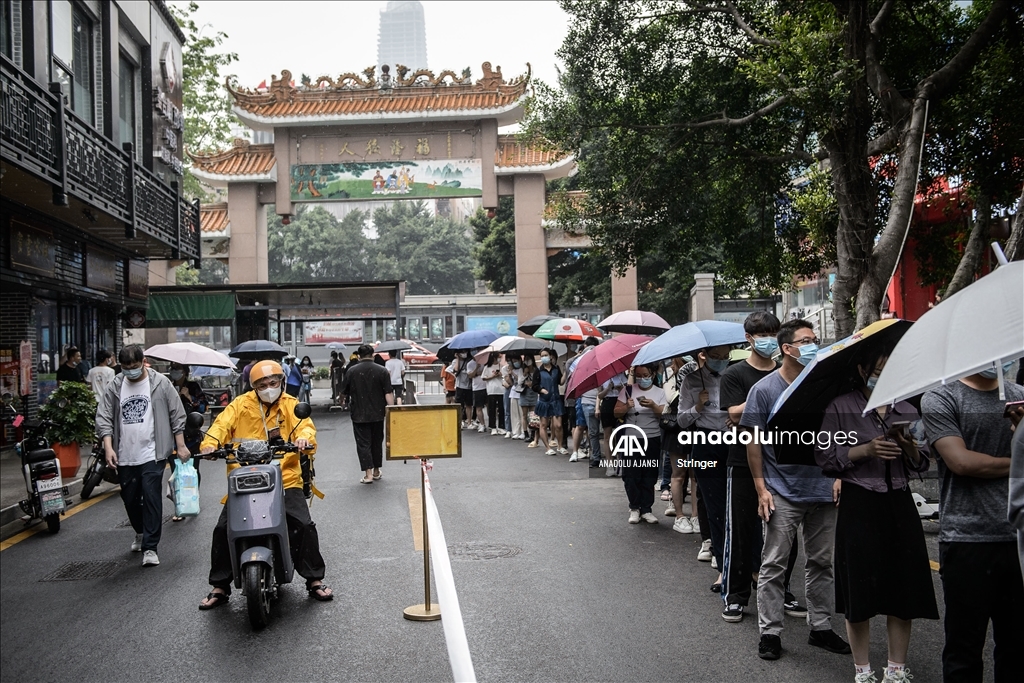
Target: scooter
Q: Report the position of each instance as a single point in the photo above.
(97, 472)
(41, 469)
(261, 558)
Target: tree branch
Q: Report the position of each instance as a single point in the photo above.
(753, 35)
(1015, 245)
(878, 79)
(722, 120)
(885, 141)
(971, 258)
(881, 18)
(939, 83)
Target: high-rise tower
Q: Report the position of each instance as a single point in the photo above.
(403, 36)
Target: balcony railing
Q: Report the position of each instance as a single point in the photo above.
(48, 140)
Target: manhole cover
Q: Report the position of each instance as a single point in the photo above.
(127, 523)
(481, 551)
(80, 571)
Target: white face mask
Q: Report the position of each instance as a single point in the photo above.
(270, 394)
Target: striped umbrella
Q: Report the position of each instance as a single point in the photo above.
(567, 329)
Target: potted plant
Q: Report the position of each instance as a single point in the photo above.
(72, 410)
(321, 378)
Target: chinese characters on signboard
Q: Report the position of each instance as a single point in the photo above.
(32, 248)
(138, 279)
(100, 270)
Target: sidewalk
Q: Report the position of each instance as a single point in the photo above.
(12, 482)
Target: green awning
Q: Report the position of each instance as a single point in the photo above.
(181, 310)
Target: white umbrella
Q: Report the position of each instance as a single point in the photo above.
(188, 353)
(979, 327)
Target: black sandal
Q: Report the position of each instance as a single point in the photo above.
(218, 600)
(314, 592)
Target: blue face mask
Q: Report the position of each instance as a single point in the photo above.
(545, 360)
(133, 374)
(870, 382)
(766, 346)
(807, 353)
(516, 364)
(645, 382)
(717, 366)
(993, 373)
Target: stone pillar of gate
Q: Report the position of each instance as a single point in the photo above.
(531, 251)
(702, 297)
(247, 253)
(624, 292)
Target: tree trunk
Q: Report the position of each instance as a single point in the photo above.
(1015, 245)
(846, 142)
(886, 253)
(975, 249)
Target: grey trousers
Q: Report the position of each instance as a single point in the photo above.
(819, 522)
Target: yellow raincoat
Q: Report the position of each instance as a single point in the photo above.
(247, 418)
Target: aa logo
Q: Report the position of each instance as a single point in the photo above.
(629, 441)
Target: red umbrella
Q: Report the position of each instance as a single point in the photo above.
(603, 362)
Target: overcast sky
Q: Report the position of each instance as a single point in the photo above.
(330, 38)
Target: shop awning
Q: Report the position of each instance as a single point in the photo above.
(182, 310)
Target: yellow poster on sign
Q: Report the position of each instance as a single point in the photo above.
(422, 431)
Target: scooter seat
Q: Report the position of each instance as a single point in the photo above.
(41, 455)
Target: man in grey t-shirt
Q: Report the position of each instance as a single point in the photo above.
(977, 545)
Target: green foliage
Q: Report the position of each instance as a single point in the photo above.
(186, 276)
(207, 107)
(211, 272)
(495, 246)
(322, 372)
(431, 253)
(72, 409)
(316, 246)
(577, 278)
(811, 243)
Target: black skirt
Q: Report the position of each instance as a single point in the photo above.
(881, 560)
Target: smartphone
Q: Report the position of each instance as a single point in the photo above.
(1011, 406)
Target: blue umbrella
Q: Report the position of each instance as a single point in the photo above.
(472, 339)
(684, 339)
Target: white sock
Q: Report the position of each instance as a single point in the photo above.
(894, 667)
(858, 669)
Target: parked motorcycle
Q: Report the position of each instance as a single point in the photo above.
(41, 469)
(261, 558)
(97, 471)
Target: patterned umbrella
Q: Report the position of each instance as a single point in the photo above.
(604, 361)
(634, 322)
(567, 329)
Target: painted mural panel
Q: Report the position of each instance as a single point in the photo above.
(359, 181)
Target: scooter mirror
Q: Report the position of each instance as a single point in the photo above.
(302, 410)
(194, 421)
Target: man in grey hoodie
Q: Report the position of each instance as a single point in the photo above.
(140, 420)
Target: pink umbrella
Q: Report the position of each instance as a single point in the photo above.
(603, 362)
(634, 322)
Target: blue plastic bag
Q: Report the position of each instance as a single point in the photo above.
(185, 481)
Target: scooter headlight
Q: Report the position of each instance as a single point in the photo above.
(256, 481)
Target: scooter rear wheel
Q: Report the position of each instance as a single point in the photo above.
(52, 522)
(257, 593)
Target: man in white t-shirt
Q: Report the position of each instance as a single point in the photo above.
(478, 386)
(396, 367)
(141, 422)
(101, 374)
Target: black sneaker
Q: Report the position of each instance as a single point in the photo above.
(770, 647)
(733, 613)
(829, 641)
(792, 607)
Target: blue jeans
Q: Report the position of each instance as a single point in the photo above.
(508, 411)
(140, 492)
(594, 432)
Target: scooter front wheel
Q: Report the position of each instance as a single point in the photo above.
(92, 479)
(257, 593)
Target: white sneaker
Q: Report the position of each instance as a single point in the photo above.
(502, 432)
(670, 511)
(866, 677)
(634, 516)
(150, 559)
(609, 472)
(901, 676)
(575, 457)
(705, 550)
(649, 518)
(494, 432)
(682, 525)
(507, 435)
(695, 523)
(481, 429)
(137, 544)
(714, 562)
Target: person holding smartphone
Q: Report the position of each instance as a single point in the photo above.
(881, 559)
(641, 404)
